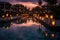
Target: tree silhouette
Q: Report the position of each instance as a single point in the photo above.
(56, 11)
(37, 9)
(51, 1)
(5, 5)
(39, 2)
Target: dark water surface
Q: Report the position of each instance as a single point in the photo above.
(26, 31)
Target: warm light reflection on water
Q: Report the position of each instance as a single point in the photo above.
(28, 23)
(26, 31)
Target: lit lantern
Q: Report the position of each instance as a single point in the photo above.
(53, 23)
(44, 12)
(11, 17)
(53, 35)
(3, 16)
(35, 15)
(42, 18)
(38, 15)
(51, 17)
(16, 14)
(7, 15)
(46, 16)
(46, 7)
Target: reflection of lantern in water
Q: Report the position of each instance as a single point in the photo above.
(53, 35)
(3, 27)
(46, 34)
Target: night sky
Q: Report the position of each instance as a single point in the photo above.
(22, 0)
(28, 3)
